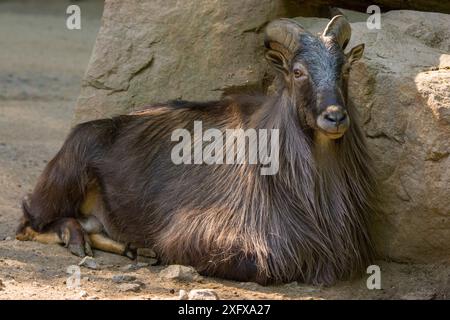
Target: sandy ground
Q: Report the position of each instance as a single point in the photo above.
(41, 67)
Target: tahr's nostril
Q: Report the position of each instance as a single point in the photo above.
(335, 116)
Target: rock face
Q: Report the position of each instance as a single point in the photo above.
(404, 92)
(385, 5)
(157, 50)
(153, 51)
(402, 88)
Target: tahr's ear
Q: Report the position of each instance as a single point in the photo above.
(355, 53)
(278, 61)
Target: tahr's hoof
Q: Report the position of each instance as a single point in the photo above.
(77, 249)
(75, 239)
(80, 249)
(24, 231)
(130, 252)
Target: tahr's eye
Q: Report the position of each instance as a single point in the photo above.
(297, 73)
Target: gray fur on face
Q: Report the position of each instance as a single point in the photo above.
(323, 62)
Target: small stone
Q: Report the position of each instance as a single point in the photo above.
(89, 263)
(180, 273)
(203, 294)
(142, 265)
(2, 286)
(123, 278)
(92, 298)
(128, 267)
(183, 295)
(134, 266)
(82, 294)
(130, 287)
(8, 239)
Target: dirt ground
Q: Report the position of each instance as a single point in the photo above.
(41, 67)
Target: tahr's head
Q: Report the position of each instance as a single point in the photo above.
(315, 70)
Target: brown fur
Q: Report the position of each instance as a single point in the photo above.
(307, 223)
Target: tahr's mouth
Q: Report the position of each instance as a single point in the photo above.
(333, 122)
(332, 135)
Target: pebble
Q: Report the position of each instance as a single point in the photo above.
(183, 295)
(89, 263)
(2, 286)
(123, 278)
(180, 273)
(203, 294)
(130, 287)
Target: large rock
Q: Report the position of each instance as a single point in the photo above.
(385, 5)
(404, 92)
(153, 51)
(156, 51)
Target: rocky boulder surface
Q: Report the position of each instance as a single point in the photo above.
(402, 89)
(153, 51)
